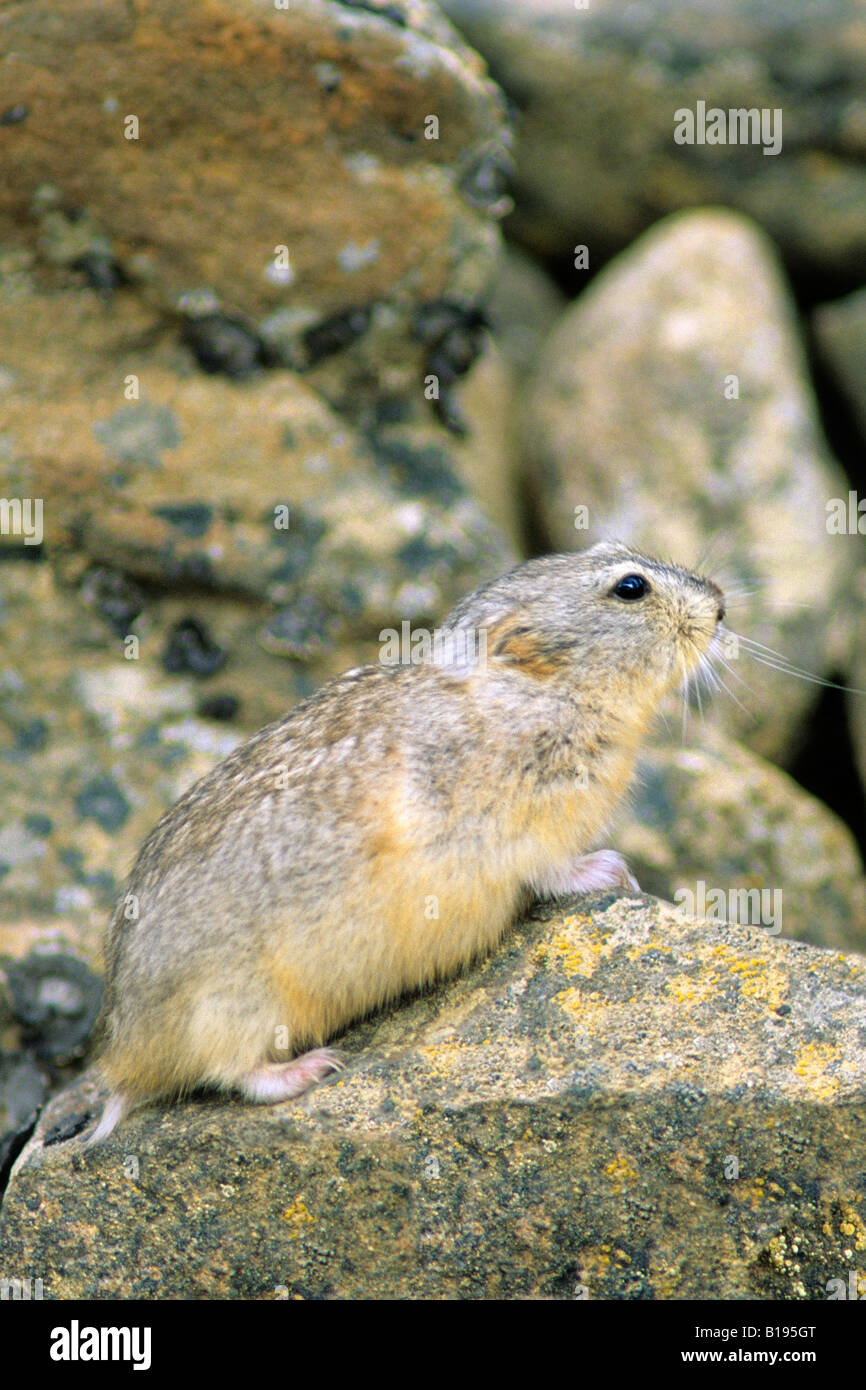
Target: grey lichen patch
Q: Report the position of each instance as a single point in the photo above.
(139, 433)
(103, 801)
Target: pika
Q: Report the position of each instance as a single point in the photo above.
(388, 830)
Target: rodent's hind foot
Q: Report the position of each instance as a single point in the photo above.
(274, 1081)
(590, 873)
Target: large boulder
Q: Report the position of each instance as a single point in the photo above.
(670, 408)
(599, 86)
(620, 1103)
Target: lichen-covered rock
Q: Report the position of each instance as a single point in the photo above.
(318, 170)
(620, 1103)
(599, 87)
(716, 828)
(256, 489)
(671, 402)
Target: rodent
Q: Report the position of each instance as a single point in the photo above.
(292, 889)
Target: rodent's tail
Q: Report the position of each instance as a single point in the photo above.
(115, 1108)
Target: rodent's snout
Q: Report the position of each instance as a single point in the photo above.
(716, 595)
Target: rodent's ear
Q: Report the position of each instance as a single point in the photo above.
(517, 644)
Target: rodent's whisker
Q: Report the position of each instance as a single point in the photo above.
(776, 662)
(728, 690)
(684, 689)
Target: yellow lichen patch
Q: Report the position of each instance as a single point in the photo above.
(576, 956)
(812, 1063)
(693, 989)
(758, 979)
(751, 1192)
(580, 1006)
(635, 952)
(595, 1261)
(620, 1172)
(297, 1216)
(852, 1225)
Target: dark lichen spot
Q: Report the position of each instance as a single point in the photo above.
(420, 556)
(190, 648)
(101, 271)
(392, 410)
(39, 825)
(335, 333)
(303, 630)
(297, 544)
(194, 567)
(32, 736)
(102, 800)
(455, 334)
(420, 471)
(117, 598)
(224, 345)
(192, 519)
(223, 707)
(14, 115)
(56, 998)
(484, 182)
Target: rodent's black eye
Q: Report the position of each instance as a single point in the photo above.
(631, 586)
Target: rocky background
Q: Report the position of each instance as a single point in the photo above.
(312, 318)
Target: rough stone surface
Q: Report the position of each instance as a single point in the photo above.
(709, 816)
(597, 89)
(568, 1116)
(627, 416)
(258, 128)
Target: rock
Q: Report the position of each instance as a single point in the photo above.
(523, 307)
(840, 331)
(620, 1103)
(711, 823)
(22, 1094)
(598, 90)
(671, 402)
(272, 167)
(255, 489)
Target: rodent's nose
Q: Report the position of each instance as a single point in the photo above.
(720, 611)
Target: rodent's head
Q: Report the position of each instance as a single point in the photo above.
(605, 615)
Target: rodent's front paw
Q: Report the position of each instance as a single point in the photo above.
(589, 873)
